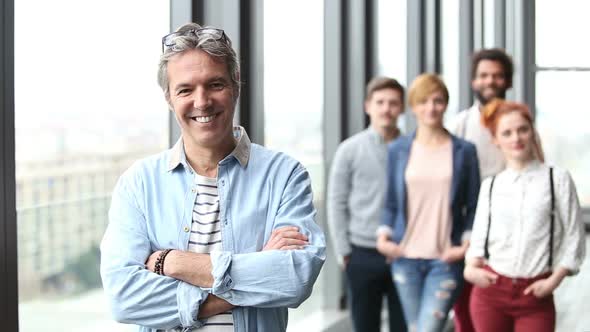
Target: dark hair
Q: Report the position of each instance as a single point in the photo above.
(494, 54)
(380, 83)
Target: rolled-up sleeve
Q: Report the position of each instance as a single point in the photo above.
(276, 278)
(136, 295)
(573, 248)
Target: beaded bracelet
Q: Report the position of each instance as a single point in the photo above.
(159, 267)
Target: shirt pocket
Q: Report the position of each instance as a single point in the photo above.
(250, 227)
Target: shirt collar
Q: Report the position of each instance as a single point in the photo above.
(514, 175)
(374, 135)
(476, 105)
(241, 152)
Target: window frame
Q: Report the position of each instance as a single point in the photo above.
(8, 246)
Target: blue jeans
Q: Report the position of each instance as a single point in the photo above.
(427, 289)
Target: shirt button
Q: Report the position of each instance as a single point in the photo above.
(186, 229)
(194, 190)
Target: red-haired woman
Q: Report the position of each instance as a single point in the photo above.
(527, 234)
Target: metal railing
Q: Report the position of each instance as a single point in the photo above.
(61, 216)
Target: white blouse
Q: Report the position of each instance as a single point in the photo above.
(521, 216)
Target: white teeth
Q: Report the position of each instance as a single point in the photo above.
(204, 119)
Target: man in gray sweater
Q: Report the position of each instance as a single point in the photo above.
(356, 193)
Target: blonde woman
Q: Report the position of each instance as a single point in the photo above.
(433, 180)
(527, 233)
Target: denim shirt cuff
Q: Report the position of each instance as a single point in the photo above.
(222, 281)
(190, 299)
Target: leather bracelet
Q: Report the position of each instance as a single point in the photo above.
(159, 266)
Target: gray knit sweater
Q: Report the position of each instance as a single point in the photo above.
(356, 191)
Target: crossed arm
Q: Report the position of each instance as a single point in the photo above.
(196, 269)
(199, 286)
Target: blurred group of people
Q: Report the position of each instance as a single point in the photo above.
(468, 218)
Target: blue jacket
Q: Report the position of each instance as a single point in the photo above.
(464, 187)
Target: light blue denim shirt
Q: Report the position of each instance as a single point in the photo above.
(151, 209)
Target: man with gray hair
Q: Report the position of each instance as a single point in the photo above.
(217, 233)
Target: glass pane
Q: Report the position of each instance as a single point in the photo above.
(489, 7)
(391, 39)
(293, 97)
(391, 43)
(562, 121)
(560, 33)
(94, 107)
(450, 53)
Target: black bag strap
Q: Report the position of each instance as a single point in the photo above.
(486, 253)
(552, 219)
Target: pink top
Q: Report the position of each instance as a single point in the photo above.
(428, 185)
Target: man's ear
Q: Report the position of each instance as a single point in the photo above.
(237, 87)
(167, 96)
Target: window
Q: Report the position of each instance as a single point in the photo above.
(563, 75)
(562, 122)
(561, 115)
(87, 104)
(293, 96)
(391, 39)
(450, 54)
(391, 43)
(555, 21)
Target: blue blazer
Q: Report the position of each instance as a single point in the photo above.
(464, 187)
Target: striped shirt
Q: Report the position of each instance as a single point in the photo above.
(206, 228)
(206, 237)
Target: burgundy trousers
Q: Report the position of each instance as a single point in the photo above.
(462, 316)
(504, 307)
